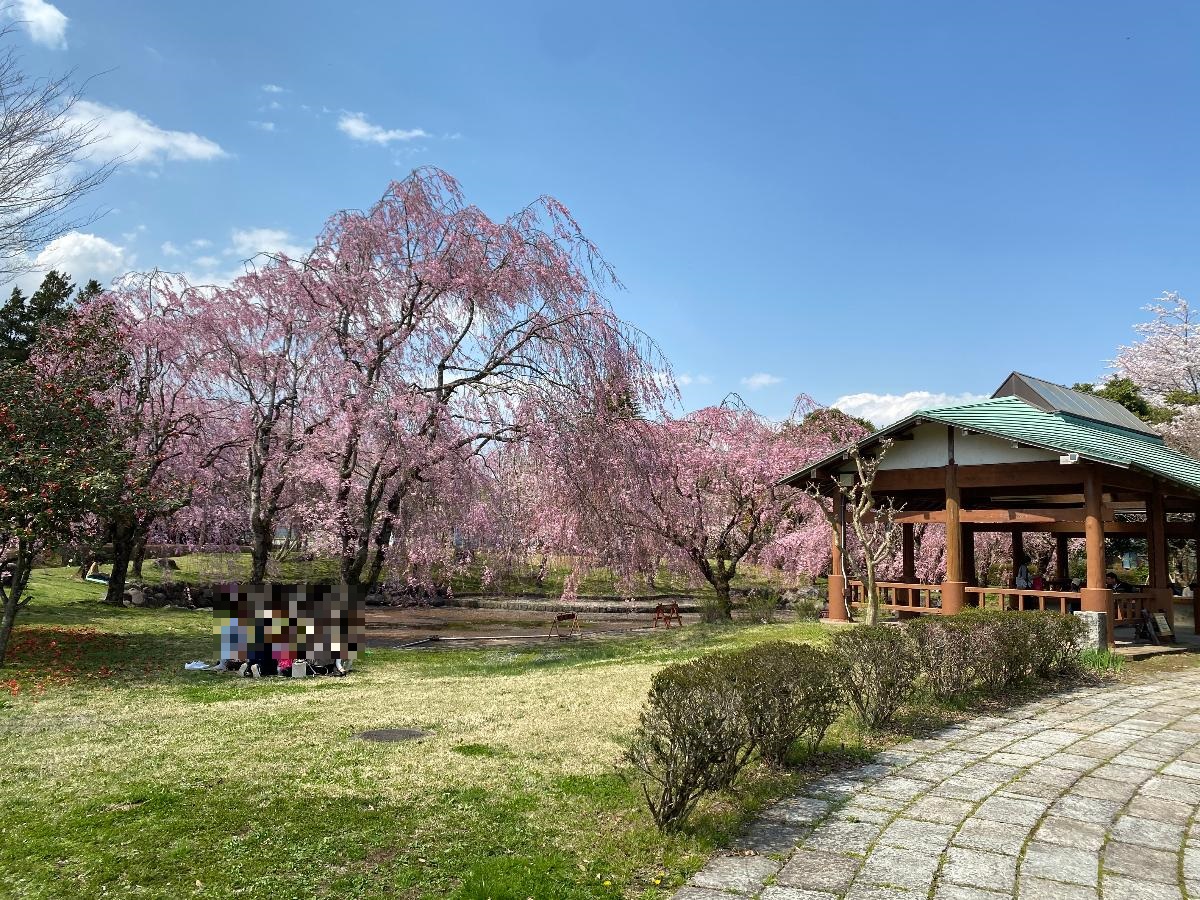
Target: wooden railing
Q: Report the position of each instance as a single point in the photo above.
(900, 596)
(1127, 608)
(1025, 599)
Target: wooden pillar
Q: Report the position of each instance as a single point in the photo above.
(968, 556)
(909, 548)
(837, 575)
(1018, 552)
(1061, 571)
(1156, 538)
(952, 587)
(1096, 596)
(1196, 578)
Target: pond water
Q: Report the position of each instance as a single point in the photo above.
(395, 627)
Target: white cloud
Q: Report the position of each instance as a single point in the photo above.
(200, 243)
(686, 379)
(206, 262)
(273, 89)
(884, 409)
(170, 249)
(356, 126)
(249, 242)
(81, 255)
(44, 21)
(263, 126)
(760, 380)
(122, 132)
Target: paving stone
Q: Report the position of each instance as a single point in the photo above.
(1031, 888)
(1140, 862)
(1072, 833)
(772, 836)
(907, 869)
(995, 837)
(1086, 809)
(1148, 833)
(799, 810)
(818, 870)
(880, 892)
(966, 892)
(1011, 810)
(912, 834)
(940, 809)
(1054, 861)
(779, 892)
(980, 869)
(746, 874)
(1104, 788)
(1183, 770)
(933, 769)
(1116, 887)
(900, 788)
(1167, 787)
(1160, 810)
(963, 788)
(844, 837)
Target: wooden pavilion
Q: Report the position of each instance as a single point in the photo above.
(1036, 457)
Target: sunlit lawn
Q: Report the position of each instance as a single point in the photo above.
(124, 776)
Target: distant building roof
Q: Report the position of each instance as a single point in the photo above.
(1050, 397)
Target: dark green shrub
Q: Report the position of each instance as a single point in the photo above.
(1055, 644)
(876, 666)
(692, 738)
(806, 608)
(789, 695)
(946, 652)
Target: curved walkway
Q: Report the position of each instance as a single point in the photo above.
(1092, 793)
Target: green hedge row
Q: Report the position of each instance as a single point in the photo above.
(706, 719)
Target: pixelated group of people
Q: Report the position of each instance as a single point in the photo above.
(290, 630)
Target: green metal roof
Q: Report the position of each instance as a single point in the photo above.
(1014, 419)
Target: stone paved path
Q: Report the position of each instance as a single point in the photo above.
(1092, 793)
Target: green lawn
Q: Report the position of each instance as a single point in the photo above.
(125, 776)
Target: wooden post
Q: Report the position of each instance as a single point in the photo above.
(1196, 578)
(837, 575)
(1061, 572)
(1018, 553)
(968, 556)
(1096, 596)
(908, 544)
(952, 587)
(1156, 537)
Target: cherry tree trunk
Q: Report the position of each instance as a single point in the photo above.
(124, 538)
(139, 552)
(260, 551)
(12, 597)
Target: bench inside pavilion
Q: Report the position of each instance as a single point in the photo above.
(1036, 457)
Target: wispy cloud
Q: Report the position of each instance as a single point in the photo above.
(263, 126)
(169, 249)
(122, 132)
(760, 380)
(685, 379)
(884, 409)
(44, 21)
(358, 128)
(273, 89)
(248, 242)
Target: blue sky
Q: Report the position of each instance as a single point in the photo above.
(860, 198)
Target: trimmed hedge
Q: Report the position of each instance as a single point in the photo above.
(704, 720)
